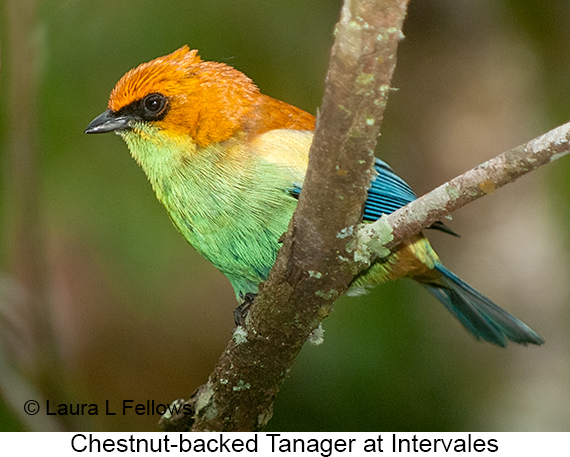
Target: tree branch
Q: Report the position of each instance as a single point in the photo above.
(378, 238)
(318, 259)
(311, 270)
(478, 182)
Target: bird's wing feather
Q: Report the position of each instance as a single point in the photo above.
(388, 192)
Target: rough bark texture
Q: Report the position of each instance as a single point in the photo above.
(311, 271)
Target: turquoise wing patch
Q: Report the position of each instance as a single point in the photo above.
(388, 192)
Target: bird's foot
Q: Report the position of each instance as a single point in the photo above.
(241, 311)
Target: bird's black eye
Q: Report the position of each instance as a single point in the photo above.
(153, 105)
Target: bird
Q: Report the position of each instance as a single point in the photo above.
(228, 164)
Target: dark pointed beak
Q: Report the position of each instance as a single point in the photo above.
(107, 121)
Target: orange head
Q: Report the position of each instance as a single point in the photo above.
(208, 101)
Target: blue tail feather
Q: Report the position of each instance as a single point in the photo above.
(478, 314)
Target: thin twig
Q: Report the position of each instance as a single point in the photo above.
(380, 237)
(478, 182)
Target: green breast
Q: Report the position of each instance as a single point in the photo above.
(232, 206)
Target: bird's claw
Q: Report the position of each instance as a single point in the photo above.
(241, 311)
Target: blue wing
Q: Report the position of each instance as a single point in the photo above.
(388, 192)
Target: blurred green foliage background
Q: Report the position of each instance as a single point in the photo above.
(101, 299)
